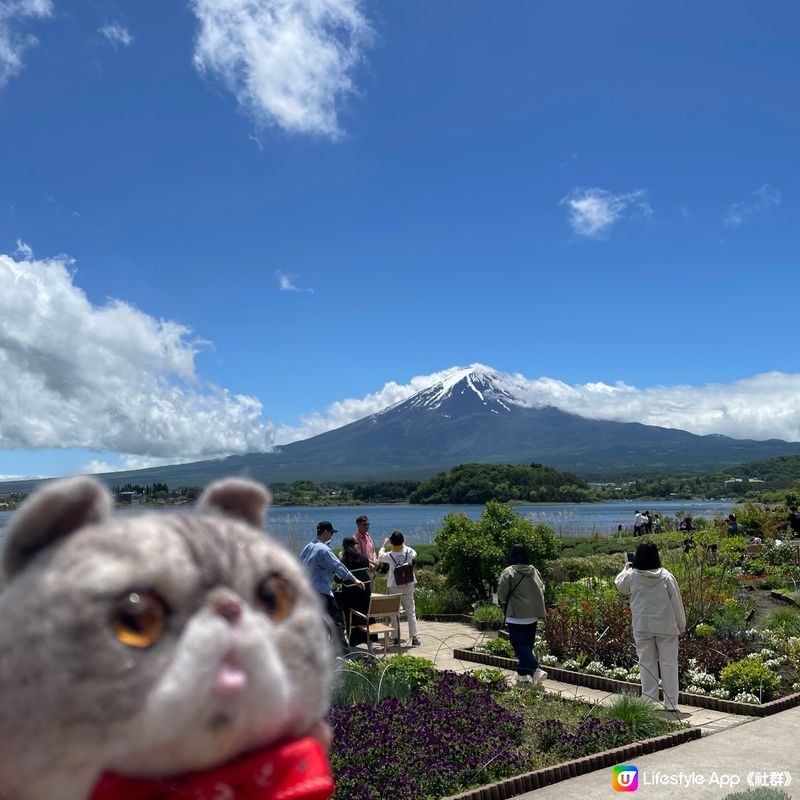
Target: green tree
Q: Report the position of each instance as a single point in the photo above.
(474, 553)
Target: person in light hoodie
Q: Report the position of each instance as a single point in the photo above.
(658, 619)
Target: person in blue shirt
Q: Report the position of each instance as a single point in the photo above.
(321, 565)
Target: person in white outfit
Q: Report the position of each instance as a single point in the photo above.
(400, 555)
(658, 619)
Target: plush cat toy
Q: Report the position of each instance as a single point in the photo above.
(158, 656)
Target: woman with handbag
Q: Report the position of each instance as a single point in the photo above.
(521, 592)
(401, 580)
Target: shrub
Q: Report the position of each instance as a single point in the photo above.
(427, 555)
(703, 631)
(572, 569)
(404, 674)
(759, 793)
(601, 629)
(585, 589)
(474, 553)
(430, 579)
(497, 647)
(785, 620)
(491, 677)
(749, 675)
(637, 712)
(730, 620)
(712, 656)
(490, 617)
(443, 601)
(706, 581)
(355, 682)
(369, 681)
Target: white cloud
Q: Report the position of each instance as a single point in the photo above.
(24, 251)
(592, 212)
(117, 34)
(12, 43)
(126, 463)
(289, 62)
(760, 407)
(286, 283)
(764, 197)
(107, 378)
(343, 412)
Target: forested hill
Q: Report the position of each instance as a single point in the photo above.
(479, 483)
(784, 470)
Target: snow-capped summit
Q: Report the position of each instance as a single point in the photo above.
(475, 385)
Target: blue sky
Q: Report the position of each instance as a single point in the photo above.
(219, 231)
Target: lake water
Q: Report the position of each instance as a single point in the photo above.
(295, 525)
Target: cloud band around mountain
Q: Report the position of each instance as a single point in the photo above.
(112, 379)
(765, 406)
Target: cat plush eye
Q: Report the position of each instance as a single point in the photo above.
(139, 619)
(275, 597)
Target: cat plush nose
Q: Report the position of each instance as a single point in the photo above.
(230, 610)
(227, 605)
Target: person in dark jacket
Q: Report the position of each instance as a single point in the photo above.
(351, 597)
(521, 592)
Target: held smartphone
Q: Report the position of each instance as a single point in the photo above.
(629, 556)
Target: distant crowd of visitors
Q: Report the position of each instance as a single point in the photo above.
(646, 523)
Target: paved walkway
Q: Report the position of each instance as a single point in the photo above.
(439, 639)
(764, 747)
(739, 747)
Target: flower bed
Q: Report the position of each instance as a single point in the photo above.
(422, 747)
(607, 684)
(442, 732)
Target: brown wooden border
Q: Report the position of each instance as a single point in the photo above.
(528, 781)
(604, 684)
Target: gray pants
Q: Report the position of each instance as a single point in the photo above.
(658, 653)
(406, 593)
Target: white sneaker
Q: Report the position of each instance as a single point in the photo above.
(523, 679)
(538, 676)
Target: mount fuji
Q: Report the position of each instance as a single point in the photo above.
(473, 415)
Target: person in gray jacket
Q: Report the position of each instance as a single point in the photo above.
(521, 592)
(658, 618)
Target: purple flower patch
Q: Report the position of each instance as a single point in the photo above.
(436, 743)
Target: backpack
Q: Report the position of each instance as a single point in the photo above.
(403, 573)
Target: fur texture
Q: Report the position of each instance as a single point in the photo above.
(226, 676)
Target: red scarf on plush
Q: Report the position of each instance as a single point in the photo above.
(297, 770)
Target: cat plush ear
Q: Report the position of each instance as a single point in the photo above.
(236, 497)
(55, 511)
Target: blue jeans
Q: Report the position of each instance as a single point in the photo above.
(522, 638)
